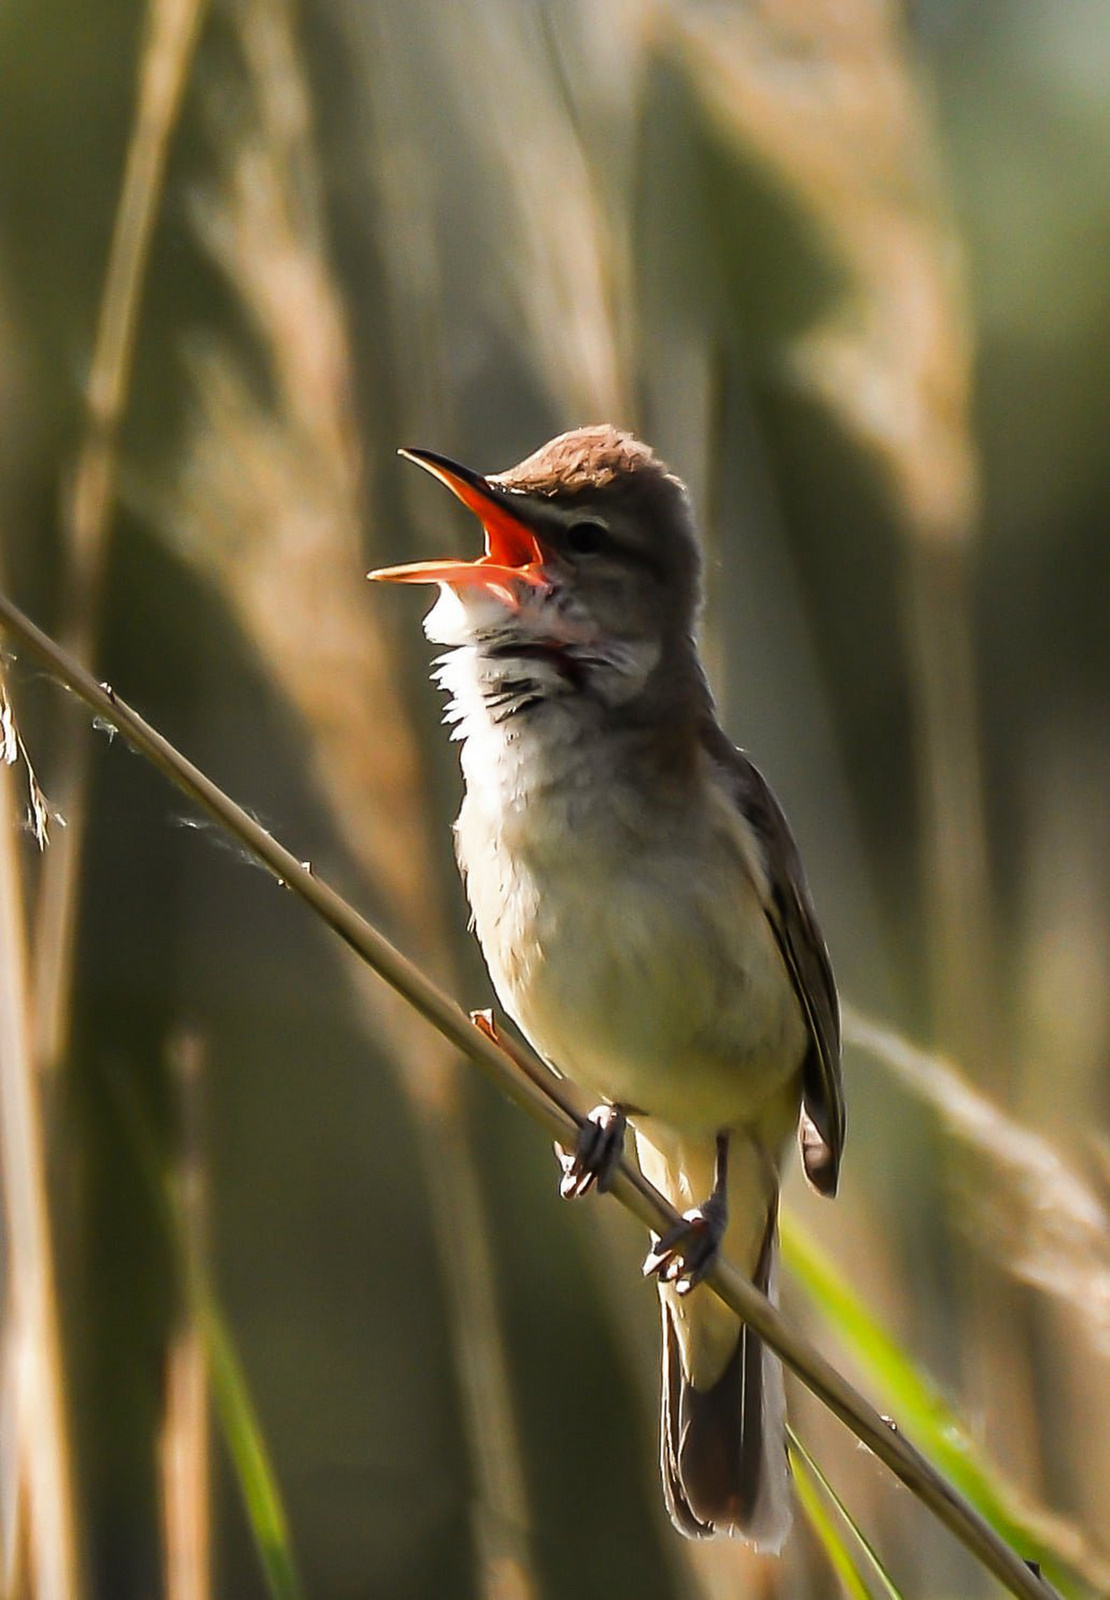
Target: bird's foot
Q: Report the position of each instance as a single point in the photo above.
(689, 1250)
(596, 1155)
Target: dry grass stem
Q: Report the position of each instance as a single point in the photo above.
(32, 1343)
(183, 1469)
(40, 812)
(183, 1447)
(13, 1488)
(172, 28)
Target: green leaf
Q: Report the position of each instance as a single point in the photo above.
(925, 1415)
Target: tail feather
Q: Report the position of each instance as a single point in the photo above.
(723, 1448)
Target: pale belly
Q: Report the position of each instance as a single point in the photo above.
(656, 984)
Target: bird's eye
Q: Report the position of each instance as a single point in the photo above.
(586, 538)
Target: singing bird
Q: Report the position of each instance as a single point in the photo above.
(642, 910)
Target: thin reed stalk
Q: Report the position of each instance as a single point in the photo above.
(32, 1341)
(183, 1468)
(183, 1454)
(170, 35)
(529, 1084)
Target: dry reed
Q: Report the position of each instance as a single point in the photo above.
(35, 1403)
(171, 32)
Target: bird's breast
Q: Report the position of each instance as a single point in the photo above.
(627, 939)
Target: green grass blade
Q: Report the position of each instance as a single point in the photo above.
(247, 1447)
(807, 1472)
(922, 1413)
(824, 1527)
(235, 1411)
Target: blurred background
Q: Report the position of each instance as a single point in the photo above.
(290, 1303)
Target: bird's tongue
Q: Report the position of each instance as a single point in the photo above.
(512, 555)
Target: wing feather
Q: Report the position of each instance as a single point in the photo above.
(793, 921)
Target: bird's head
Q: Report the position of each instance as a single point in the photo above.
(588, 543)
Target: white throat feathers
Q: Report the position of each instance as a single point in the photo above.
(518, 674)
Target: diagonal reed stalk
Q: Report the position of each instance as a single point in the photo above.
(529, 1085)
(1080, 1570)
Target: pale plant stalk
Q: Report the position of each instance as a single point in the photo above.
(36, 1032)
(32, 1341)
(956, 880)
(551, 1102)
(959, 921)
(183, 1468)
(183, 1446)
(1063, 1015)
(12, 1495)
(170, 35)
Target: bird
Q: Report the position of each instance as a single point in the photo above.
(643, 912)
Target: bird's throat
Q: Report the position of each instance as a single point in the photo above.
(524, 657)
(557, 721)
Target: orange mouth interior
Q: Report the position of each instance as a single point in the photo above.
(512, 555)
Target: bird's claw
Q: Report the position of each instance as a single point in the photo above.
(686, 1252)
(596, 1155)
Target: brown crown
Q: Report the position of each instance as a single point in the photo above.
(587, 458)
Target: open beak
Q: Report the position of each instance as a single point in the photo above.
(513, 553)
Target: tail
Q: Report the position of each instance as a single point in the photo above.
(724, 1446)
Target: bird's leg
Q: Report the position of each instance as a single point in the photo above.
(597, 1152)
(687, 1251)
(600, 1143)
